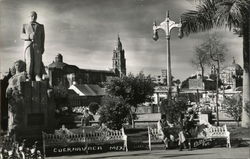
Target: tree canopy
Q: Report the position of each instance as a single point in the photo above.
(133, 89)
(175, 109)
(113, 112)
(210, 50)
(60, 95)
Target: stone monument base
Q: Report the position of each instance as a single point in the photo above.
(32, 111)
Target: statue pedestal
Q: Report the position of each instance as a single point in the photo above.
(34, 111)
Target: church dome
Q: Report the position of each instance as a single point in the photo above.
(58, 63)
(237, 68)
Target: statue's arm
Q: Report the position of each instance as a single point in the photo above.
(24, 35)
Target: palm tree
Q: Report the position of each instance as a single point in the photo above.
(235, 15)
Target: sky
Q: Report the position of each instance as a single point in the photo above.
(85, 33)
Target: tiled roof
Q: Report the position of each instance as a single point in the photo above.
(88, 89)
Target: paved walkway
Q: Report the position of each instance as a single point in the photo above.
(213, 153)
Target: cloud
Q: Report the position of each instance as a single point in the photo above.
(85, 32)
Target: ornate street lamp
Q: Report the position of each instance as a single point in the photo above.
(167, 25)
(217, 60)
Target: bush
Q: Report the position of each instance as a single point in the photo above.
(60, 95)
(233, 107)
(113, 112)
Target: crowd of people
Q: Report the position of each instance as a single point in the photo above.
(20, 151)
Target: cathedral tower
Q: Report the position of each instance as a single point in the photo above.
(119, 61)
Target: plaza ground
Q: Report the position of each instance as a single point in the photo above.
(212, 153)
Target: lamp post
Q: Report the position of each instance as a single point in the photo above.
(167, 25)
(217, 60)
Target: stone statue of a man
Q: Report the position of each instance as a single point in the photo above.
(33, 35)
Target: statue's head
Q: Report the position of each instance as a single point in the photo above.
(33, 16)
(19, 66)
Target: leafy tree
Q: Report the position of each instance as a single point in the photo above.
(175, 109)
(233, 107)
(113, 112)
(201, 59)
(60, 95)
(235, 15)
(211, 49)
(214, 46)
(93, 107)
(133, 89)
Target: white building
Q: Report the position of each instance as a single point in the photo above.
(161, 93)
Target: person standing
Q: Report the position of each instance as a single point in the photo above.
(87, 118)
(187, 123)
(33, 35)
(163, 128)
(181, 134)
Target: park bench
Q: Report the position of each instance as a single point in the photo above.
(155, 135)
(65, 138)
(205, 136)
(215, 132)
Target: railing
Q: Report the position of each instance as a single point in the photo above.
(64, 138)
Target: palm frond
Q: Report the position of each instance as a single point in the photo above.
(211, 13)
(201, 19)
(232, 13)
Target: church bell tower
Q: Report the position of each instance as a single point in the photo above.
(119, 61)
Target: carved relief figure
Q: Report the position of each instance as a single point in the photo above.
(18, 76)
(14, 96)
